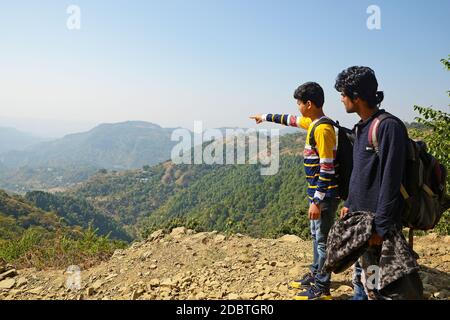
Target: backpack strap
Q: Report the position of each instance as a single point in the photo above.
(373, 140)
(324, 120)
(373, 130)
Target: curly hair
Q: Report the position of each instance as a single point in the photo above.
(359, 82)
(311, 91)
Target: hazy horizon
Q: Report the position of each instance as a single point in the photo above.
(58, 130)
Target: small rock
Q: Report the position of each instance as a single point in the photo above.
(89, 291)
(260, 267)
(249, 296)
(441, 294)
(136, 294)
(156, 235)
(8, 274)
(244, 258)
(36, 291)
(344, 288)
(233, 296)
(168, 283)
(7, 283)
(290, 238)
(217, 295)
(200, 296)
(149, 296)
(273, 263)
(219, 238)
(136, 245)
(97, 284)
(178, 232)
(447, 239)
(21, 282)
(153, 266)
(118, 254)
(111, 276)
(146, 255)
(432, 236)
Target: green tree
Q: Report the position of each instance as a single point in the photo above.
(437, 138)
(438, 123)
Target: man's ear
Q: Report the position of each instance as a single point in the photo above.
(356, 100)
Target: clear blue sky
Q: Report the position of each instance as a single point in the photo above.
(173, 62)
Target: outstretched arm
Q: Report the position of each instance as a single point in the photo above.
(284, 119)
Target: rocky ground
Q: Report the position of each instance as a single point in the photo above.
(188, 265)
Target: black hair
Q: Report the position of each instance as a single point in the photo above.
(360, 82)
(311, 91)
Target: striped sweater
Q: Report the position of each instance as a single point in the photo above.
(318, 161)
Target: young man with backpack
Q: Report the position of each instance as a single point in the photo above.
(319, 156)
(378, 170)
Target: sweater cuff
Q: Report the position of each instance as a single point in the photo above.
(381, 231)
(347, 203)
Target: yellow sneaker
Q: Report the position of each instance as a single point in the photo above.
(313, 293)
(304, 283)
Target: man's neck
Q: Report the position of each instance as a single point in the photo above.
(317, 115)
(366, 113)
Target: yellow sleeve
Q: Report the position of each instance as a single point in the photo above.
(304, 122)
(325, 138)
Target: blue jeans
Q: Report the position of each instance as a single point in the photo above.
(319, 233)
(358, 287)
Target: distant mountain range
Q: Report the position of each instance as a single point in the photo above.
(12, 139)
(123, 145)
(28, 163)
